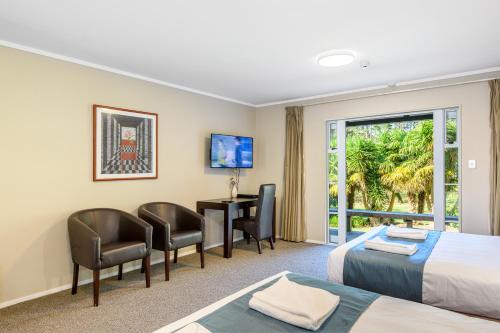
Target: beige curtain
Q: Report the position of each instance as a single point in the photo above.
(495, 157)
(293, 223)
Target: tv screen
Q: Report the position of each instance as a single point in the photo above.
(228, 151)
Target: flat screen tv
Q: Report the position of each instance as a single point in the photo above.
(229, 151)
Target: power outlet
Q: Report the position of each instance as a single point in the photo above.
(472, 164)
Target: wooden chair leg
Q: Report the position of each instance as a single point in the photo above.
(143, 267)
(167, 265)
(271, 242)
(76, 269)
(258, 246)
(148, 271)
(120, 272)
(202, 255)
(175, 256)
(96, 287)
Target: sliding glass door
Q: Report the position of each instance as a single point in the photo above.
(401, 170)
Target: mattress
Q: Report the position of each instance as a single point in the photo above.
(462, 273)
(385, 314)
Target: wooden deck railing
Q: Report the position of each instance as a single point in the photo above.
(407, 217)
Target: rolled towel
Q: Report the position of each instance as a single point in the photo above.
(409, 233)
(193, 328)
(379, 244)
(293, 303)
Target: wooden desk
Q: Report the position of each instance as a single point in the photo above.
(229, 208)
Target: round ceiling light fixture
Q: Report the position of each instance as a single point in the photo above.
(336, 58)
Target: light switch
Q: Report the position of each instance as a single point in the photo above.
(472, 164)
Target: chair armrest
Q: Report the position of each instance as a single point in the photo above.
(161, 234)
(133, 228)
(191, 220)
(85, 244)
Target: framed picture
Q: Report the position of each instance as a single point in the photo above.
(125, 144)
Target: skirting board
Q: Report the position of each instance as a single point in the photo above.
(87, 281)
(312, 241)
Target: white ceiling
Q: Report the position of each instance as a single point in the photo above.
(262, 51)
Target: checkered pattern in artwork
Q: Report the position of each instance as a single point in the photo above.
(119, 166)
(128, 149)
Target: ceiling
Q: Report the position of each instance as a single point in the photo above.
(262, 51)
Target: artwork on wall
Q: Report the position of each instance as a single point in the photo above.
(125, 144)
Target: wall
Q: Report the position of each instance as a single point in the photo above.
(473, 100)
(46, 149)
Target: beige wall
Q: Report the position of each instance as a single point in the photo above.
(473, 100)
(46, 169)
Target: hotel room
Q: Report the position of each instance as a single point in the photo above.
(250, 166)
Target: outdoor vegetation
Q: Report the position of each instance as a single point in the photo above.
(390, 168)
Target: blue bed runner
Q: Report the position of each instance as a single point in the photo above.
(238, 317)
(388, 273)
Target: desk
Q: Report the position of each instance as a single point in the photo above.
(229, 208)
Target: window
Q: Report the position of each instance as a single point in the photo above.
(332, 182)
(452, 170)
(401, 169)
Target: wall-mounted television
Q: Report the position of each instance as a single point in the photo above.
(230, 151)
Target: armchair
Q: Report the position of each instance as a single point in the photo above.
(174, 227)
(105, 237)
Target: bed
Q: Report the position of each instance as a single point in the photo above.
(358, 311)
(455, 271)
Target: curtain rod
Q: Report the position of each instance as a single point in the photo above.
(396, 92)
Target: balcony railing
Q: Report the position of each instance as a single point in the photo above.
(409, 218)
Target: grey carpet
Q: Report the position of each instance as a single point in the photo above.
(127, 306)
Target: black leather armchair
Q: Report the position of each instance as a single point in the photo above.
(260, 226)
(174, 227)
(105, 237)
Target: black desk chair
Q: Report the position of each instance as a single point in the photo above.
(260, 226)
(174, 227)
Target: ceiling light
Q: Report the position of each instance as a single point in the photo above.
(335, 58)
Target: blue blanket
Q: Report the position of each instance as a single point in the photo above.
(238, 317)
(388, 273)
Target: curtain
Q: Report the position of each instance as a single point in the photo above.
(293, 222)
(495, 157)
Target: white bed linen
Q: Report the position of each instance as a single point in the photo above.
(461, 274)
(386, 314)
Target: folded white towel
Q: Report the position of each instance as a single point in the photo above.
(379, 244)
(409, 233)
(193, 328)
(299, 305)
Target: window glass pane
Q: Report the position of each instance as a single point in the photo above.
(333, 136)
(452, 208)
(333, 167)
(451, 165)
(451, 126)
(452, 226)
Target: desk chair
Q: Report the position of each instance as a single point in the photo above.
(260, 226)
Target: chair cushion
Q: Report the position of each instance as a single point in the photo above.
(247, 224)
(113, 254)
(182, 238)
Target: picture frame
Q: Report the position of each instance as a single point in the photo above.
(125, 144)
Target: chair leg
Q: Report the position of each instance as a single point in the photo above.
(246, 235)
(167, 265)
(76, 269)
(148, 271)
(271, 242)
(143, 266)
(258, 246)
(96, 286)
(175, 256)
(202, 255)
(120, 271)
